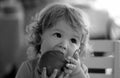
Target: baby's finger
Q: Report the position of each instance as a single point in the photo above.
(71, 66)
(61, 75)
(54, 74)
(68, 71)
(44, 75)
(76, 55)
(72, 60)
(66, 76)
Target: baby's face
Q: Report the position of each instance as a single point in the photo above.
(61, 37)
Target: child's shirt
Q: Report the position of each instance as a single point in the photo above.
(30, 69)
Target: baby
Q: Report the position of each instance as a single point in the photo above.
(60, 27)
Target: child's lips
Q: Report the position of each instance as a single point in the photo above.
(61, 50)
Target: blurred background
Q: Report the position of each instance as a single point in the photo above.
(104, 16)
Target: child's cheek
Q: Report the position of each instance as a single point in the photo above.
(47, 44)
(71, 51)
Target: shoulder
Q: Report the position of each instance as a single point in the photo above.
(31, 64)
(26, 69)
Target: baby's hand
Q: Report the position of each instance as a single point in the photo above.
(73, 67)
(54, 74)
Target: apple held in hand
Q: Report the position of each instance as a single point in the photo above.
(52, 60)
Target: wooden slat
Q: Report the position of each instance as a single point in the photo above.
(99, 62)
(102, 45)
(117, 59)
(100, 76)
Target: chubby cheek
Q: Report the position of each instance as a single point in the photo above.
(47, 44)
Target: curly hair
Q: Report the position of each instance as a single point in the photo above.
(50, 15)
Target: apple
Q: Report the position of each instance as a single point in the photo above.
(52, 60)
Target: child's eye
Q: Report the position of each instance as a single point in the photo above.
(73, 40)
(58, 35)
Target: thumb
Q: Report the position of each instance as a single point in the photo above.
(76, 55)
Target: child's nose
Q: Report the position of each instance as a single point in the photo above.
(63, 44)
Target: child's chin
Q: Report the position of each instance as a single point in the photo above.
(52, 59)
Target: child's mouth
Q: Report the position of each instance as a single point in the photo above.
(60, 50)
